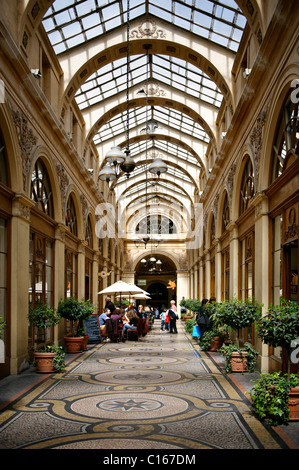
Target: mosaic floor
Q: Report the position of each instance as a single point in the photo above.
(157, 393)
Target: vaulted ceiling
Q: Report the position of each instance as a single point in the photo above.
(159, 82)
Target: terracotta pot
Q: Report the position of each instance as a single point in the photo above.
(216, 343)
(43, 362)
(188, 318)
(73, 344)
(84, 342)
(294, 404)
(239, 362)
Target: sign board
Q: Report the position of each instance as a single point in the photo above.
(92, 328)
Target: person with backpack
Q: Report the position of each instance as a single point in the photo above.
(172, 321)
(202, 318)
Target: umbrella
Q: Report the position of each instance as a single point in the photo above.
(141, 296)
(121, 287)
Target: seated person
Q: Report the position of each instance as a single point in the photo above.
(102, 320)
(133, 320)
(116, 315)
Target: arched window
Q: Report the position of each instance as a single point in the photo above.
(88, 233)
(3, 167)
(213, 228)
(247, 186)
(286, 142)
(40, 191)
(156, 224)
(225, 214)
(70, 217)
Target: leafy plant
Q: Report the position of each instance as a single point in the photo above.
(227, 350)
(59, 358)
(189, 325)
(207, 337)
(43, 316)
(73, 310)
(280, 325)
(270, 397)
(2, 326)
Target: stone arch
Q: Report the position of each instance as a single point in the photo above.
(14, 159)
(158, 251)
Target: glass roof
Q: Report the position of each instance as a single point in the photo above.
(71, 23)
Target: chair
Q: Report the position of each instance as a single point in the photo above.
(132, 334)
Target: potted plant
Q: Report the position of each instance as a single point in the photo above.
(48, 358)
(234, 314)
(88, 310)
(211, 340)
(280, 327)
(271, 396)
(75, 311)
(190, 304)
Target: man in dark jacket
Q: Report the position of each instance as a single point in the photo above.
(202, 318)
(172, 320)
(109, 304)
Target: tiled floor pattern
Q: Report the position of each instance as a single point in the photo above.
(157, 393)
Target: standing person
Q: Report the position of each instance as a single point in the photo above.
(109, 304)
(163, 313)
(173, 306)
(202, 318)
(172, 321)
(166, 320)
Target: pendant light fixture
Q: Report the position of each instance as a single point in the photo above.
(120, 160)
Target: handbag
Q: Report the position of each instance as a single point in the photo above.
(196, 332)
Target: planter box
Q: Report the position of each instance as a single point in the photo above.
(216, 343)
(239, 362)
(73, 344)
(43, 362)
(294, 404)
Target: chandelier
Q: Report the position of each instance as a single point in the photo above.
(117, 160)
(152, 264)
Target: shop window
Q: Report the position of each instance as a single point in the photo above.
(286, 142)
(225, 275)
(41, 191)
(41, 271)
(3, 269)
(247, 278)
(70, 274)
(276, 260)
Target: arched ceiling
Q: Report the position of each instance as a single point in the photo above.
(183, 98)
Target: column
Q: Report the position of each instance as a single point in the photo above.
(182, 287)
(218, 271)
(59, 276)
(261, 265)
(233, 260)
(20, 230)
